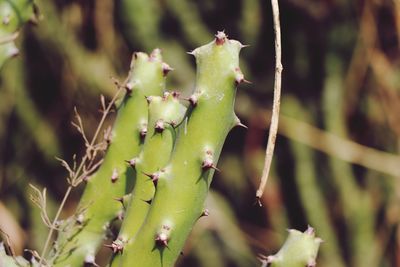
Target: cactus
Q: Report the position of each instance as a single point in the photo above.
(165, 114)
(299, 250)
(183, 183)
(78, 243)
(13, 14)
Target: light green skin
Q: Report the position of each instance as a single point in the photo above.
(182, 189)
(18, 12)
(98, 199)
(299, 250)
(155, 154)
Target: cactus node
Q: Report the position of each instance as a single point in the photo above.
(166, 69)
(220, 38)
(114, 176)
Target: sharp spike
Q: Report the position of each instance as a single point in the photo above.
(166, 69)
(159, 127)
(220, 38)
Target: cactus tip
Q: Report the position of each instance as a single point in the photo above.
(220, 38)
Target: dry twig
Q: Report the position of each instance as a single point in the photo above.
(276, 103)
(85, 168)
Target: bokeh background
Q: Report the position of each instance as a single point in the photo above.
(336, 164)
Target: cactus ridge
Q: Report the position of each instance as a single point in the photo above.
(79, 243)
(183, 184)
(165, 113)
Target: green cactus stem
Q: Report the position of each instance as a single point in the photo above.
(78, 243)
(13, 14)
(183, 184)
(165, 113)
(299, 250)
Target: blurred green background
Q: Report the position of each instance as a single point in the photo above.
(336, 164)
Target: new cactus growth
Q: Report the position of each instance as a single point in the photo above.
(13, 14)
(165, 113)
(78, 243)
(183, 183)
(299, 250)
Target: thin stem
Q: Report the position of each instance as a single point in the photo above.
(76, 175)
(276, 103)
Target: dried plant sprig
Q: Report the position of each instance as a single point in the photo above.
(78, 173)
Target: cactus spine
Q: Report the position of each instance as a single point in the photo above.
(299, 250)
(79, 243)
(183, 184)
(165, 113)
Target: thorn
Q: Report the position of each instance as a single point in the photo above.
(166, 69)
(192, 53)
(159, 127)
(128, 87)
(175, 94)
(220, 38)
(310, 230)
(153, 177)
(149, 99)
(239, 123)
(205, 213)
(80, 219)
(132, 162)
(193, 99)
(244, 46)
(155, 54)
(162, 240)
(116, 246)
(143, 132)
(239, 78)
(121, 200)
(209, 164)
(114, 176)
(90, 260)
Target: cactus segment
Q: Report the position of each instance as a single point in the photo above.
(299, 250)
(13, 14)
(183, 186)
(114, 177)
(165, 113)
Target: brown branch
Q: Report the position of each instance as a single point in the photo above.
(276, 103)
